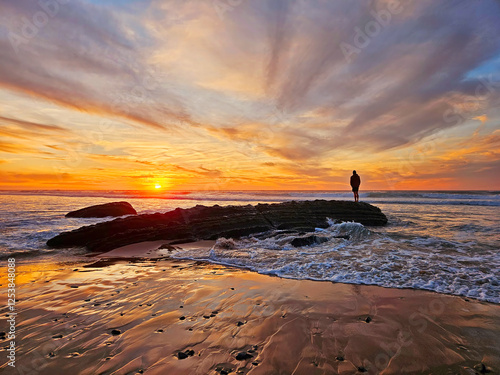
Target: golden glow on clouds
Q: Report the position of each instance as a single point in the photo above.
(174, 97)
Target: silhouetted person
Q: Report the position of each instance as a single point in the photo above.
(355, 182)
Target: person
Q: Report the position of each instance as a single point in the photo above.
(355, 182)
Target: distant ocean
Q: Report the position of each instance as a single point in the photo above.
(444, 241)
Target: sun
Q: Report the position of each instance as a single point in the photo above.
(157, 186)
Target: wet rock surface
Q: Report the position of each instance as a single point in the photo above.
(104, 210)
(307, 241)
(210, 223)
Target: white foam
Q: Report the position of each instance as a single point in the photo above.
(368, 257)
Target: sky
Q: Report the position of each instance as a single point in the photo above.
(249, 94)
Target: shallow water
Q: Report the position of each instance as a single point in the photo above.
(442, 241)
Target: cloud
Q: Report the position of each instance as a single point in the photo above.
(265, 83)
(85, 56)
(16, 148)
(33, 127)
(21, 178)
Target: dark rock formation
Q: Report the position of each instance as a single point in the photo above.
(186, 353)
(103, 210)
(209, 223)
(307, 241)
(241, 356)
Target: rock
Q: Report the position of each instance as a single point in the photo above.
(241, 356)
(225, 368)
(362, 369)
(186, 353)
(116, 332)
(166, 246)
(368, 319)
(340, 358)
(344, 236)
(210, 223)
(307, 241)
(182, 355)
(482, 368)
(240, 323)
(103, 210)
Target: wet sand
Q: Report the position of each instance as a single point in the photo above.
(160, 316)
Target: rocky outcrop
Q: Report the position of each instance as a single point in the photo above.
(308, 241)
(201, 222)
(103, 210)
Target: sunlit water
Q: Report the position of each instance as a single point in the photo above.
(442, 241)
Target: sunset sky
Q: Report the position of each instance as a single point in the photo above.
(249, 94)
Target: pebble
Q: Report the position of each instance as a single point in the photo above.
(240, 323)
(57, 336)
(362, 369)
(116, 332)
(339, 358)
(368, 320)
(482, 368)
(241, 356)
(224, 370)
(185, 354)
(182, 318)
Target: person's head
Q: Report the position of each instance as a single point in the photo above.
(353, 172)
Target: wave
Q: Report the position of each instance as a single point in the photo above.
(440, 202)
(475, 198)
(366, 257)
(470, 194)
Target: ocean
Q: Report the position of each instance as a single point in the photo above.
(443, 241)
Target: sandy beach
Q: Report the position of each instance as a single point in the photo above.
(130, 315)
